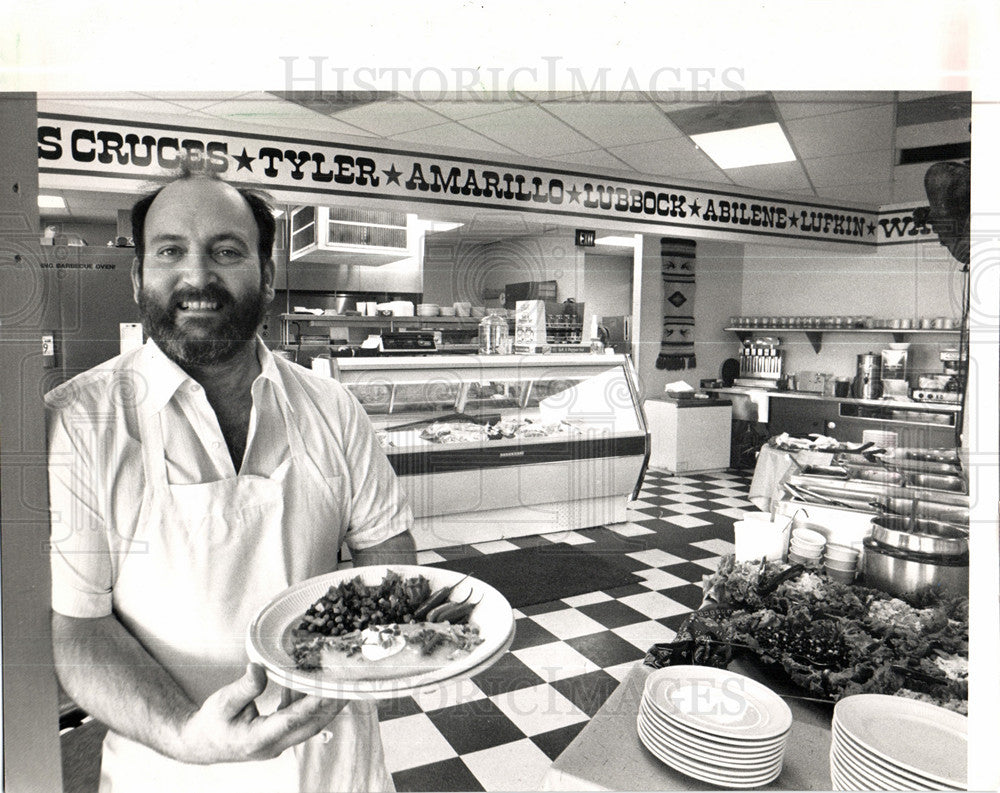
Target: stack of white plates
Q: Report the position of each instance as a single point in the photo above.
(428, 309)
(714, 725)
(880, 742)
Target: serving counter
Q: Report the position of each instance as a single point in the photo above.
(493, 447)
(899, 422)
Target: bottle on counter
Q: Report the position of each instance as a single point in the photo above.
(493, 334)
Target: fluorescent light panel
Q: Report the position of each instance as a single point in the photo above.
(620, 242)
(51, 201)
(763, 144)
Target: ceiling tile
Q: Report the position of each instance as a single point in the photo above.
(615, 124)
(953, 131)
(669, 106)
(597, 157)
(458, 110)
(749, 110)
(388, 118)
(842, 133)
(97, 98)
(109, 108)
(451, 135)
(286, 116)
(874, 193)
(666, 157)
(928, 110)
(844, 169)
(530, 131)
(192, 100)
(779, 176)
(912, 96)
(803, 104)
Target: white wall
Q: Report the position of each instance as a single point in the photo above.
(607, 286)
(905, 281)
(468, 264)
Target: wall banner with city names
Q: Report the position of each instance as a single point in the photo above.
(78, 152)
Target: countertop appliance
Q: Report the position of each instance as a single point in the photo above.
(944, 386)
(868, 381)
(407, 342)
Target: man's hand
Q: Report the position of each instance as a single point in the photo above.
(228, 727)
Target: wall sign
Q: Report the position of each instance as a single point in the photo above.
(73, 147)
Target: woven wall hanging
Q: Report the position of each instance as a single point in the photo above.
(677, 269)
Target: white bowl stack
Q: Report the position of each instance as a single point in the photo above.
(841, 562)
(714, 725)
(428, 309)
(881, 742)
(806, 546)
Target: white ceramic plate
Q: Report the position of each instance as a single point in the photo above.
(874, 779)
(269, 634)
(737, 750)
(703, 772)
(692, 749)
(694, 731)
(719, 702)
(914, 736)
(855, 754)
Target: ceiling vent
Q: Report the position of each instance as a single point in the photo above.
(942, 151)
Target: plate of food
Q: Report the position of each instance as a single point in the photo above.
(380, 631)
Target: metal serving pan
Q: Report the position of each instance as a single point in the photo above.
(954, 484)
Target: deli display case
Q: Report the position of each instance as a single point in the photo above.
(499, 446)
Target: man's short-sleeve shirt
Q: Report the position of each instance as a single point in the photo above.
(96, 479)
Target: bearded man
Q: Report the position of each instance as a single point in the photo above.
(192, 480)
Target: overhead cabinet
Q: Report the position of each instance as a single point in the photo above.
(345, 235)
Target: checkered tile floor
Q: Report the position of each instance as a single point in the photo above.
(502, 729)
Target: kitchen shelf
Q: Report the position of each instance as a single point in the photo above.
(815, 335)
(391, 324)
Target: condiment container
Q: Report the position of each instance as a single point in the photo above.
(493, 334)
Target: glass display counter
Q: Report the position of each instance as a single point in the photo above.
(493, 447)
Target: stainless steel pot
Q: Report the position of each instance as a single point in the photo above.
(920, 535)
(905, 573)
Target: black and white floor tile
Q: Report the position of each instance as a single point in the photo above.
(502, 729)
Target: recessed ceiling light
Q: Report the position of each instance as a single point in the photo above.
(763, 144)
(51, 201)
(620, 242)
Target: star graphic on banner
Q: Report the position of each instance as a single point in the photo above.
(392, 174)
(244, 160)
(794, 220)
(871, 228)
(695, 208)
(574, 194)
